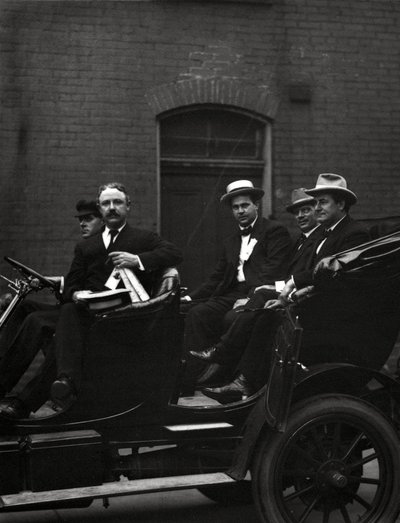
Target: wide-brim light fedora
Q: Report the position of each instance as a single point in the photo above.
(300, 198)
(241, 187)
(333, 183)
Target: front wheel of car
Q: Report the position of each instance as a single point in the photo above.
(336, 462)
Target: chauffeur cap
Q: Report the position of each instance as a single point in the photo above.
(86, 207)
(299, 198)
(241, 187)
(333, 183)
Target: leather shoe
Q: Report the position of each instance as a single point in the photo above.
(63, 391)
(215, 374)
(238, 390)
(210, 354)
(13, 408)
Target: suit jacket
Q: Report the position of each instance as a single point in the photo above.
(90, 269)
(347, 234)
(267, 263)
(302, 258)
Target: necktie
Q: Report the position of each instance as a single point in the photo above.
(246, 231)
(113, 234)
(325, 235)
(301, 240)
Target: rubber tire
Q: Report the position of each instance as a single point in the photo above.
(239, 493)
(273, 447)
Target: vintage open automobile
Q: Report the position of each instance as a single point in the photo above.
(319, 442)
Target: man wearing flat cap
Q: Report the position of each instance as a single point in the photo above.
(29, 330)
(255, 254)
(89, 217)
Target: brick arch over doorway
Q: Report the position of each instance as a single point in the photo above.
(255, 98)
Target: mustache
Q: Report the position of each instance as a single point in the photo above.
(112, 213)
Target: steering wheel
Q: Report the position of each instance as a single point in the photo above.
(30, 273)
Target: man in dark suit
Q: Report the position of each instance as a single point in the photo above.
(256, 254)
(232, 344)
(30, 330)
(118, 246)
(338, 232)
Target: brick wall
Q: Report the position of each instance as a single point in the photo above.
(79, 83)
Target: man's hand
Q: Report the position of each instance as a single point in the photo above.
(290, 286)
(279, 303)
(185, 299)
(327, 268)
(75, 297)
(240, 303)
(121, 259)
(5, 301)
(303, 293)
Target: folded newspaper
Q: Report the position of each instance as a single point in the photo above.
(113, 298)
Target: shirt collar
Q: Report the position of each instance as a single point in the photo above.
(307, 234)
(251, 225)
(107, 229)
(335, 224)
(106, 233)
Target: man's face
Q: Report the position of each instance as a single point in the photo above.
(327, 211)
(89, 224)
(113, 207)
(305, 217)
(244, 210)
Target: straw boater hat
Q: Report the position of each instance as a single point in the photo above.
(299, 198)
(333, 183)
(241, 187)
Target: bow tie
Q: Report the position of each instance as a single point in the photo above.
(326, 233)
(246, 231)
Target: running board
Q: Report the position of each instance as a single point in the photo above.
(198, 426)
(115, 488)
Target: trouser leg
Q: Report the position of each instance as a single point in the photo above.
(233, 342)
(70, 341)
(255, 362)
(35, 329)
(203, 327)
(15, 321)
(37, 390)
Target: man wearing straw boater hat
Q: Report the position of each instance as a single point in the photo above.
(246, 338)
(337, 231)
(255, 254)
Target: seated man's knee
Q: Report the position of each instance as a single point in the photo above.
(230, 317)
(197, 311)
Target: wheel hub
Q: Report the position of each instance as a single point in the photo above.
(332, 475)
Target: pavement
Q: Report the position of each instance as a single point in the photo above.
(185, 506)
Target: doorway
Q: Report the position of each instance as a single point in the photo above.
(202, 151)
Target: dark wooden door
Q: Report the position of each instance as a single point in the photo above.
(194, 219)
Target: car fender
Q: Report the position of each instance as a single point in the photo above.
(341, 378)
(335, 378)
